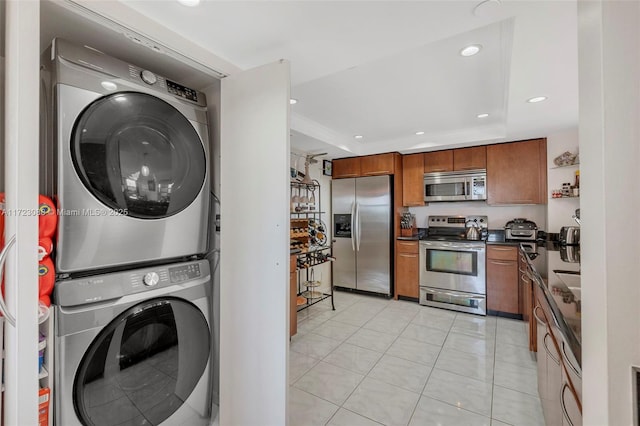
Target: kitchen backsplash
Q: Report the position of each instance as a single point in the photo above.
(498, 215)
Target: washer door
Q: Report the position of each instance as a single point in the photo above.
(138, 155)
(144, 365)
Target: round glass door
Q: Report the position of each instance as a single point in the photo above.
(138, 155)
(143, 366)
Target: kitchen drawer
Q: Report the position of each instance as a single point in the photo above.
(407, 247)
(502, 252)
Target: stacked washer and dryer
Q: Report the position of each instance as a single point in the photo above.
(127, 162)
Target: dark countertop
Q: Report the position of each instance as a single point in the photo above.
(566, 308)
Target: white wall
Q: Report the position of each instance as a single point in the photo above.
(560, 210)
(609, 70)
(498, 215)
(254, 244)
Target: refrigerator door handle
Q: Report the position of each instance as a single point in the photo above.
(357, 226)
(353, 229)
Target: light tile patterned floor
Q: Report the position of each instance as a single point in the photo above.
(375, 361)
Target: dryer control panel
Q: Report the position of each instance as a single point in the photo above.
(109, 286)
(184, 272)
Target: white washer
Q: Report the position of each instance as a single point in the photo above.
(134, 347)
(127, 160)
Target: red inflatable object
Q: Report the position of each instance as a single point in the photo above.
(46, 277)
(45, 246)
(47, 217)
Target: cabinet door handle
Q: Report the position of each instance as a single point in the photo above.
(497, 262)
(524, 278)
(565, 413)
(573, 368)
(407, 255)
(501, 249)
(546, 348)
(537, 317)
(408, 244)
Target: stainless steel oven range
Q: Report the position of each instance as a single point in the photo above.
(452, 268)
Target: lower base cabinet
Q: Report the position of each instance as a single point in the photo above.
(407, 269)
(560, 402)
(502, 279)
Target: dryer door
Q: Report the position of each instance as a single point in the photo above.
(144, 365)
(138, 155)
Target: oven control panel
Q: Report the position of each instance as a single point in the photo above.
(457, 221)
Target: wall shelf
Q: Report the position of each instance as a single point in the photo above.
(565, 166)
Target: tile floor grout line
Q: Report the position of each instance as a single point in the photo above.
(432, 368)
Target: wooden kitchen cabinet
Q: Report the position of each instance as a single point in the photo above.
(380, 164)
(470, 158)
(517, 172)
(438, 161)
(502, 279)
(407, 269)
(413, 180)
(345, 167)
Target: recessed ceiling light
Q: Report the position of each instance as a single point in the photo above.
(537, 99)
(293, 101)
(358, 136)
(190, 3)
(471, 50)
(483, 115)
(420, 133)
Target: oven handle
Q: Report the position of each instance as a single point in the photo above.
(428, 290)
(446, 246)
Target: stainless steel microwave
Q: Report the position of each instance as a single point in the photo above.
(455, 186)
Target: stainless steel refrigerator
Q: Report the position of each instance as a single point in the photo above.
(362, 228)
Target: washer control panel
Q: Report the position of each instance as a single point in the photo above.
(182, 273)
(150, 279)
(182, 91)
(148, 77)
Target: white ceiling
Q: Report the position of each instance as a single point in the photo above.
(387, 69)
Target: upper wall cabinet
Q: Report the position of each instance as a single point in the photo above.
(381, 164)
(517, 172)
(345, 168)
(368, 165)
(413, 180)
(470, 158)
(438, 161)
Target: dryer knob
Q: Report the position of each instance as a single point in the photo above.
(150, 279)
(148, 77)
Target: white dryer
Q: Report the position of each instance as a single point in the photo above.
(127, 162)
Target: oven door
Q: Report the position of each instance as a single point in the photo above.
(458, 266)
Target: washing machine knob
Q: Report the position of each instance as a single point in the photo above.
(150, 279)
(148, 77)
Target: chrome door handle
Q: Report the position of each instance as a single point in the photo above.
(3, 258)
(353, 226)
(358, 226)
